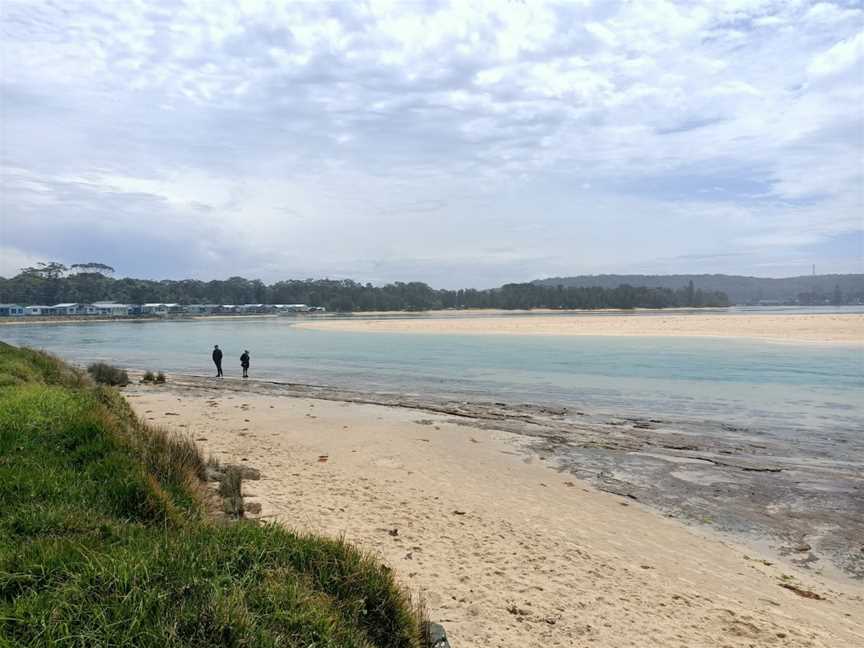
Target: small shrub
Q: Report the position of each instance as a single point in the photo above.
(108, 374)
(148, 377)
(160, 377)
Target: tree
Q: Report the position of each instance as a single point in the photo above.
(51, 271)
(46, 284)
(93, 267)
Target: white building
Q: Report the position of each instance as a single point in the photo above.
(160, 309)
(11, 310)
(112, 309)
(153, 309)
(72, 309)
(252, 308)
(37, 310)
(200, 309)
(293, 308)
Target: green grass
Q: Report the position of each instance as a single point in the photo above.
(105, 539)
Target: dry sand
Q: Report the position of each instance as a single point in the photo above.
(842, 328)
(506, 551)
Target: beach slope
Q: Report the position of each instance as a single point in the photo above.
(109, 537)
(507, 551)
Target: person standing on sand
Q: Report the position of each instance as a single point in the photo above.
(244, 362)
(217, 359)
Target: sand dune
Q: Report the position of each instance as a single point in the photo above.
(843, 328)
(507, 551)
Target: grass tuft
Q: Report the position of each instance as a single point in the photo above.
(231, 490)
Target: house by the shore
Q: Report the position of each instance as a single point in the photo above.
(112, 309)
(254, 308)
(298, 308)
(11, 310)
(160, 309)
(201, 309)
(71, 308)
(153, 309)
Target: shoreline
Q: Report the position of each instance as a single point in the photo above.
(88, 319)
(707, 473)
(543, 563)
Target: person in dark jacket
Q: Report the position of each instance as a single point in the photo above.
(217, 359)
(244, 362)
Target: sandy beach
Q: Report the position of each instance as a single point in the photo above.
(834, 328)
(506, 551)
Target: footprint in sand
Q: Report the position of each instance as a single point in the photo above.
(386, 462)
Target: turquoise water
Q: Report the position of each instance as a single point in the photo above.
(811, 387)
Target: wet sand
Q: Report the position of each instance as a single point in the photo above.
(507, 549)
(832, 328)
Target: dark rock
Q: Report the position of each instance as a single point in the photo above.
(246, 472)
(215, 475)
(517, 611)
(802, 592)
(435, 635)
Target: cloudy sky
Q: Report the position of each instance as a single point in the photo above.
(462, 144)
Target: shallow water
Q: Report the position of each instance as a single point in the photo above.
(813, 387)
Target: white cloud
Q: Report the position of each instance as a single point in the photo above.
(310, 137)
(829, 13)
(846, 54)
(12, 260)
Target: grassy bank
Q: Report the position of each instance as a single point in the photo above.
(105, 539)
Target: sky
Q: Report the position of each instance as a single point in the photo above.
(460, 144)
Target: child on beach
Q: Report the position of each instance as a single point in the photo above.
(244, 362)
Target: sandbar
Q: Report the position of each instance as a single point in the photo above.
(846, 328)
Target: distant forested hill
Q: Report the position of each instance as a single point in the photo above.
(53, 282)
(739, 289)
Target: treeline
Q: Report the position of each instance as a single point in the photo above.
(804, 290)
(51, 283)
